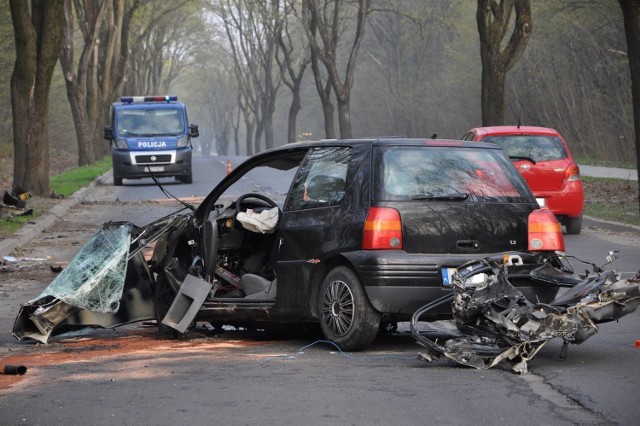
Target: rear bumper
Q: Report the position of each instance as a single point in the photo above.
(568, 201)
(124, 168)
(398, 283)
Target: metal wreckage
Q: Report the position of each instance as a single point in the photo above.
(111, 283)
(495, 322)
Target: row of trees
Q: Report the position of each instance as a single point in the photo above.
(259, 73)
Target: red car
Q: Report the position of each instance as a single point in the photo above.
(542, 157)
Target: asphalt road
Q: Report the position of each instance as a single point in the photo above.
(128, 376)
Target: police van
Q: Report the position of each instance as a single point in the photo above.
(150, 136)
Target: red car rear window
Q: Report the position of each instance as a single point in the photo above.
(531, 147)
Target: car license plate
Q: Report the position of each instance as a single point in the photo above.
(154, 169)
(447, 274)
(541, 202)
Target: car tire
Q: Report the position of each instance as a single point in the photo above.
(117, 181)
(162, 300)
(346, 315)
(573, 225)
(188, 178)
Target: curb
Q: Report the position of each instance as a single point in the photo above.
(610, 225)
(46, 219)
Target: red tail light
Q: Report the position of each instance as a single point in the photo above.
(545, 232)
(382, 229)
(572, 172)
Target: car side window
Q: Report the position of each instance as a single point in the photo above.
(321, 179)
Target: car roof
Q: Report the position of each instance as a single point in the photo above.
(391, 141)
(515, 130)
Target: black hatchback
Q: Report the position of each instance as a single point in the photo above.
(369, 231)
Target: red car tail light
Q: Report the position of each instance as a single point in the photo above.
(572, 172)
(382, 229)
(545, 232)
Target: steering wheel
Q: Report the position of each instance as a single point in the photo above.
(260, 197)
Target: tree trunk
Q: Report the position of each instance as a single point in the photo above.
(344, 118)
(324, 19)
(493, 22)
(631, 13)
(492, 93)
(38, 31)
(294, 108)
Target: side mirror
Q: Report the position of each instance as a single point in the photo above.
(108, 133)
(193, 131)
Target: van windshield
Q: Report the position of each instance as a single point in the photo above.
(418, 173)
(150, 122)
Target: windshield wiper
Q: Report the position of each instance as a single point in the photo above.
(442, 197)
(522, 157)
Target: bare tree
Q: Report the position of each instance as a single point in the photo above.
(493, 23)
(293, 59)
(38, 31)
(253, 47)
(164, 45)
(323, 20)
(99, 76)
(631, 13)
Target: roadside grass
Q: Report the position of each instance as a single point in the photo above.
(630, 164)
(65, 184)
(612, 199)
(68, 182)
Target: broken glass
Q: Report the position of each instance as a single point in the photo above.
(94, 279)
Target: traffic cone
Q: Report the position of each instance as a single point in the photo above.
(228, 166)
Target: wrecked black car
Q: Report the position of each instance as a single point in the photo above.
(369, 231)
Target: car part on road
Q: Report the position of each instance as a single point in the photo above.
(107, 284)
(496, 322)
(14, 370)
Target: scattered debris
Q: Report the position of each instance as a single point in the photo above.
(495, 322)
(14, 204)
(18, 370)
(107, 284)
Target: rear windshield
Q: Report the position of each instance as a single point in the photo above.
(536, 148)
(447, 174)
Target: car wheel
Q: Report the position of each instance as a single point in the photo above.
(117, 181)
(573, 225)
(188, 178)
(346, 316)
(162, 300)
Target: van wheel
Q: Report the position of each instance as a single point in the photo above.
(187, 178)
(573, 225)
(346, 316)
(117, 181)
(162, 300)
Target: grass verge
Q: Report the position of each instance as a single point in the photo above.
(612, 199)
(66, 184)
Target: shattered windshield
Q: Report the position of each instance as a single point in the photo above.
(94, 279)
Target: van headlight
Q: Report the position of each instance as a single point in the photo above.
(182, 142)
(121, 143)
